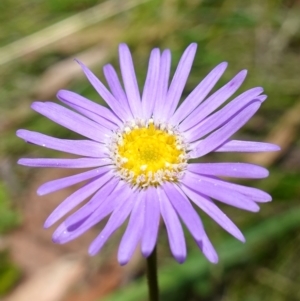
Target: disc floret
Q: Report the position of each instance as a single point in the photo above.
(148, 153)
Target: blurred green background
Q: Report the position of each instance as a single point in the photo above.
(38, 41)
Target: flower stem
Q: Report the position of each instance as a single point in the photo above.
(152, 277)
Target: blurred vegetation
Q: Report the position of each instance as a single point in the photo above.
(9, 218)
(261, 36)
(9, 273)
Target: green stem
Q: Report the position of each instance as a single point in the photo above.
(152, 277)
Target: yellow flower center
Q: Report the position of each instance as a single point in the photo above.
(149, 155)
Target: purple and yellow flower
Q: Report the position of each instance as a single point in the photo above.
(139, 150)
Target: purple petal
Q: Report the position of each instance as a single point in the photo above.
(129, 79)
(65, 163)
(214, 101)
(224, 115)
(214, 212)
(221, 135)
(63, 235)
(254, 194)
(151, 223)
(179, 79)
(185, 210)
(95, 117)
(103, 92)
(116, 88)
(58, 184)
(247, 146)
(78, 147)
(208, 250)
(163, 83)
(71, 120)
(213, 189)
(174, 229)
(133, 231)
(109, 192)
(89, 215)
(94, 111)
(198, 94)
(76, 198)
(117, 218)
(237, 170)
(149, 92)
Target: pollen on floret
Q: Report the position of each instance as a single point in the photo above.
(148, 153)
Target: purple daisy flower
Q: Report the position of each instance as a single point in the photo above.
(140, 150)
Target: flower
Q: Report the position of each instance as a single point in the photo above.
(140, 150)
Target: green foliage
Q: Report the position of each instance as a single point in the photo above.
(58, 6)
(9, 273)
(9, 218)
(287, 189)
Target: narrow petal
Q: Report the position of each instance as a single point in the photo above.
(221, 117)
(150, 87)
(116, 88)
(94, 111)
(129, 79)
(208, 250)
(214, 101)
(65, 163)
(247, 146)
(185, 210)
(92, 213)
(179, 79)
(151, 223)
(58, 184)
(254, 194)
(71, 120)
(163, 84)
(78, 147)
(110, 191)
(133, 232)
(209, 207)
(221, 135)
(236, 170)
(174, 229)
(95, 117)
(198, 94)
(76, 198)
(103, 92)
(117, 218)
(63, 234)
(219, 192)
